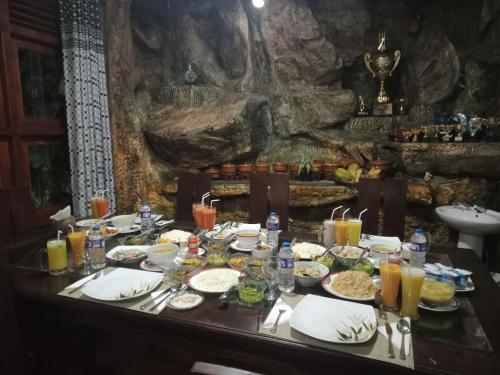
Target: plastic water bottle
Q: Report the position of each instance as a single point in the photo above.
(418, 248)
(273, 226)
(96, 249)
(146, 220)
(286, 280)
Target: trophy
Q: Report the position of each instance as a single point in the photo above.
(381, 65)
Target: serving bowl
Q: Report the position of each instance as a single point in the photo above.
(262, 250)
(364, 265)
(380, 251)
(123, 221)
(309, 273)
(346, 255)
(163, 254)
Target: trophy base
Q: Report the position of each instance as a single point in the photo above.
(382, 109)
(363, 114)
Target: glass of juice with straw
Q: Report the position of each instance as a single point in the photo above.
(412, 279)
(77, 246)
(354, 231)
(341, 230)
(209, 214)
(102, 204)
(57, 256)
(93, 207)
(390, 277)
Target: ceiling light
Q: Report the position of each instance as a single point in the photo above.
(258, 3)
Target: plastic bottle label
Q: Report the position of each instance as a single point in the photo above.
(286, 262)
(145, 214)
(273, 226)
(97, 243)
(420, 247)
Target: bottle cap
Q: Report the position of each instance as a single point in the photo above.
(419, 230)
(95, 227)
(273, 213)
(286, 244)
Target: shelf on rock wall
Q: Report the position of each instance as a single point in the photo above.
(478, 159)
(308, 193)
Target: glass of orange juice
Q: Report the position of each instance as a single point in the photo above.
(390, 277)
(77, 246)
(102, 204)
(209, 215)
(354, 231)
(197, 214)
(341, 232)
(412, 279)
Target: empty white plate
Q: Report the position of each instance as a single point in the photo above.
(334, 320)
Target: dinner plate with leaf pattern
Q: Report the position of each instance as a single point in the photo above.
(122, 284)
(334, 320)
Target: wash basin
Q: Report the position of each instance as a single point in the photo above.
(470, 221)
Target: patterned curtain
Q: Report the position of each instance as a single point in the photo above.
(86, 102)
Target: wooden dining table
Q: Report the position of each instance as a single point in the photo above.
(63, 335)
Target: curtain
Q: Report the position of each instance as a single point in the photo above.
(89, 134)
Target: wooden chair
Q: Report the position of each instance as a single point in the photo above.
(268, 193)
(392, 192)
(369, 197)
(394, 198)
(190, 188)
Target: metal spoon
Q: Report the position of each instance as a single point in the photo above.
(365, 249)
(173, 290)
(404, 328)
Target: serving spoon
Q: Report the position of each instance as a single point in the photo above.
(404, 328)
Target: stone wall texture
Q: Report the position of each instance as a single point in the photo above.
(281, 83)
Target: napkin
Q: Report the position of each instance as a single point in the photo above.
(273, 314)
(62, 214)
(396, 337)
(389, 241)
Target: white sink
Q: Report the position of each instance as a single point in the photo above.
(471, 224)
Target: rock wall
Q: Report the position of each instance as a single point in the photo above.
(281, 82)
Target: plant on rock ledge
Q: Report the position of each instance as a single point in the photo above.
(305, 167)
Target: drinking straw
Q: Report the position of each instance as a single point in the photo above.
(206, 195)
(98, 192)
(212, 201)
(333, 211)
(103, 191)
(361, 213)
(343, 214)
(59, 232)
(72, 229)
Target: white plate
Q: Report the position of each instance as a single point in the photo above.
(154, 217)
(215, 280)
(306, 249)
(176, 235)
(199, 299)
(111, 254)
(146, 265)
(132, 229)
(327, 281)
(122, 284)
(450, 306)
(334, 320)
(235, 245)
(88, 223)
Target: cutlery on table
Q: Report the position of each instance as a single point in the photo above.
(388, 329)
(404, 328)
(365, 249)
(96, 276)
(142, 307)
(275, 326)
(332, 244)
(173, 290)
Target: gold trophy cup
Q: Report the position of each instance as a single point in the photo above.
(381, 65)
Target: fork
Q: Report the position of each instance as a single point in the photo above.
(96, 276)
(275, 326)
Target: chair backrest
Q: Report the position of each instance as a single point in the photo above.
(369, 197)
(392, 191)
(190, 188)
(268, 193)
(394, 196)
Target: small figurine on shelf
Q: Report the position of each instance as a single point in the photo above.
(190, 76)
(466, 134)
(362, 106)
(420, 135)
(452, 133)
(411, 137)
(458, 136)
